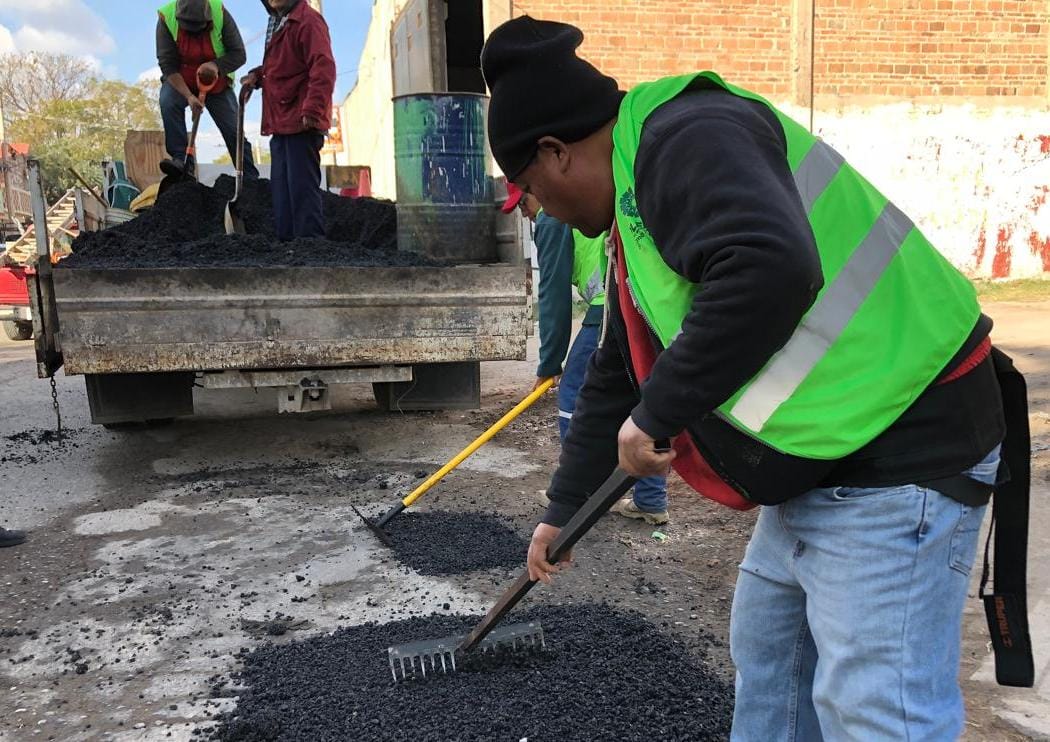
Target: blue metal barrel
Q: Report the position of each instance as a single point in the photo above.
(444, 192)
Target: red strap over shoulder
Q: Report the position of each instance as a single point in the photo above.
(688, 462)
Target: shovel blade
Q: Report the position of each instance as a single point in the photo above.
(175, 172)
(232, 219)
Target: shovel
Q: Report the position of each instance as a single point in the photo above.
(232, 218)
(177, 172)
(481, 440)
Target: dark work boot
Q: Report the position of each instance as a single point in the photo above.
(11, 538)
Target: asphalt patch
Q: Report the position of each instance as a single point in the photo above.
(185, 228)
(606, 674)
(439, 542)
(38, 444)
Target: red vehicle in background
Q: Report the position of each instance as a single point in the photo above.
(14, 302)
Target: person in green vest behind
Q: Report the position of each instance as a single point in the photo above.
(567, 258)
(200, 35)
(805, 349)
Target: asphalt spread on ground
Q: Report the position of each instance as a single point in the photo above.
(605, 674)
(445, 543)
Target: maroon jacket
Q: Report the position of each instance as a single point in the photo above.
(298, 74)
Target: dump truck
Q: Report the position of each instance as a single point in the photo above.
(145, 338)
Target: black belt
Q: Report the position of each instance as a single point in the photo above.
(1006, 607)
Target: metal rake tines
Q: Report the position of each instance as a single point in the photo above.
(423, 658)
(516, 636)
(412, 659)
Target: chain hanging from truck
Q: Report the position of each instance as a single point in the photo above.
(54, 404)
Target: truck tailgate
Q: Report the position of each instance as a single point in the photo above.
(186, 319)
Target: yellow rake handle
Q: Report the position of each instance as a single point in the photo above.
(480, 441)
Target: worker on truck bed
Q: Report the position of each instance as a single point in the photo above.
(192, 35)
(566, 258)
(805, 348)
(297, 79)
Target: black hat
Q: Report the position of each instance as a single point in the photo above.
(541, 88)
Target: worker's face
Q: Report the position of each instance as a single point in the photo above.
(572, 185)
(279, 5)
(529, 206)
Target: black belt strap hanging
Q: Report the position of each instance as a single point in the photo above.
(1006, 607)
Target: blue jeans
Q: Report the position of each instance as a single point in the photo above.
(650, 494)
(223, 110)
(295, 182)
(847, 616)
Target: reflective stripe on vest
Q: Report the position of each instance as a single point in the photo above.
(837, 305)
(891, 314)
(167, 12)
(588, 275)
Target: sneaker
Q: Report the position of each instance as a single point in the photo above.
(11, 538)
(628, 509)
(542, 499)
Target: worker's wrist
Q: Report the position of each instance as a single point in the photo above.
(558, 514)
(545, 371)
(651, 424)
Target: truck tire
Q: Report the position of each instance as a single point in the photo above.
(18, 330)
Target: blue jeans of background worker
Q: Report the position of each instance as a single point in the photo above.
(295, 182)
(874, 577)
(650, 494)
(222, 107)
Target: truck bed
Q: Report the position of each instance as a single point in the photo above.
(198, 319)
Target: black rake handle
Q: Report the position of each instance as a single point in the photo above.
(613, 489)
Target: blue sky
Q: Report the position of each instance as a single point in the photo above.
(118, 36)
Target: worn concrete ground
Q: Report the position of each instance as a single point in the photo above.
(157, 555)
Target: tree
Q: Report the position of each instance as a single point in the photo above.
(32, 80)
(81, 132)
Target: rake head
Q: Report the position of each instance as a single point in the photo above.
(417, 659)
(382, 535)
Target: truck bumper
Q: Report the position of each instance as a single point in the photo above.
(9, 313)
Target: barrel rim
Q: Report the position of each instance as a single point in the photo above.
(440, 95)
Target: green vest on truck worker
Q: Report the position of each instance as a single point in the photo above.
(891, 314)
(167, 12)
(588, 271)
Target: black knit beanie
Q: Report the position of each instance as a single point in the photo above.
(541, 88)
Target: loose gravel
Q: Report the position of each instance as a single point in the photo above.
(606, 674)
(185, 229)
(446, 543)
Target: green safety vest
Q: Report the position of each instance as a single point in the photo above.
(892, 312)
(588, 274)
(167, 12)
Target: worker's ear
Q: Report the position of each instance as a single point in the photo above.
(555, 154)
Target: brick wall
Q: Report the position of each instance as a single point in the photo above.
(949, 49)
(944, 48)
(748, 41)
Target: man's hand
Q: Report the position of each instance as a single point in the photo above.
(208, 73)
(251, 80)
(311, 124)
(539, 568)
(541, 380)
(637, 451)
(195, 103)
